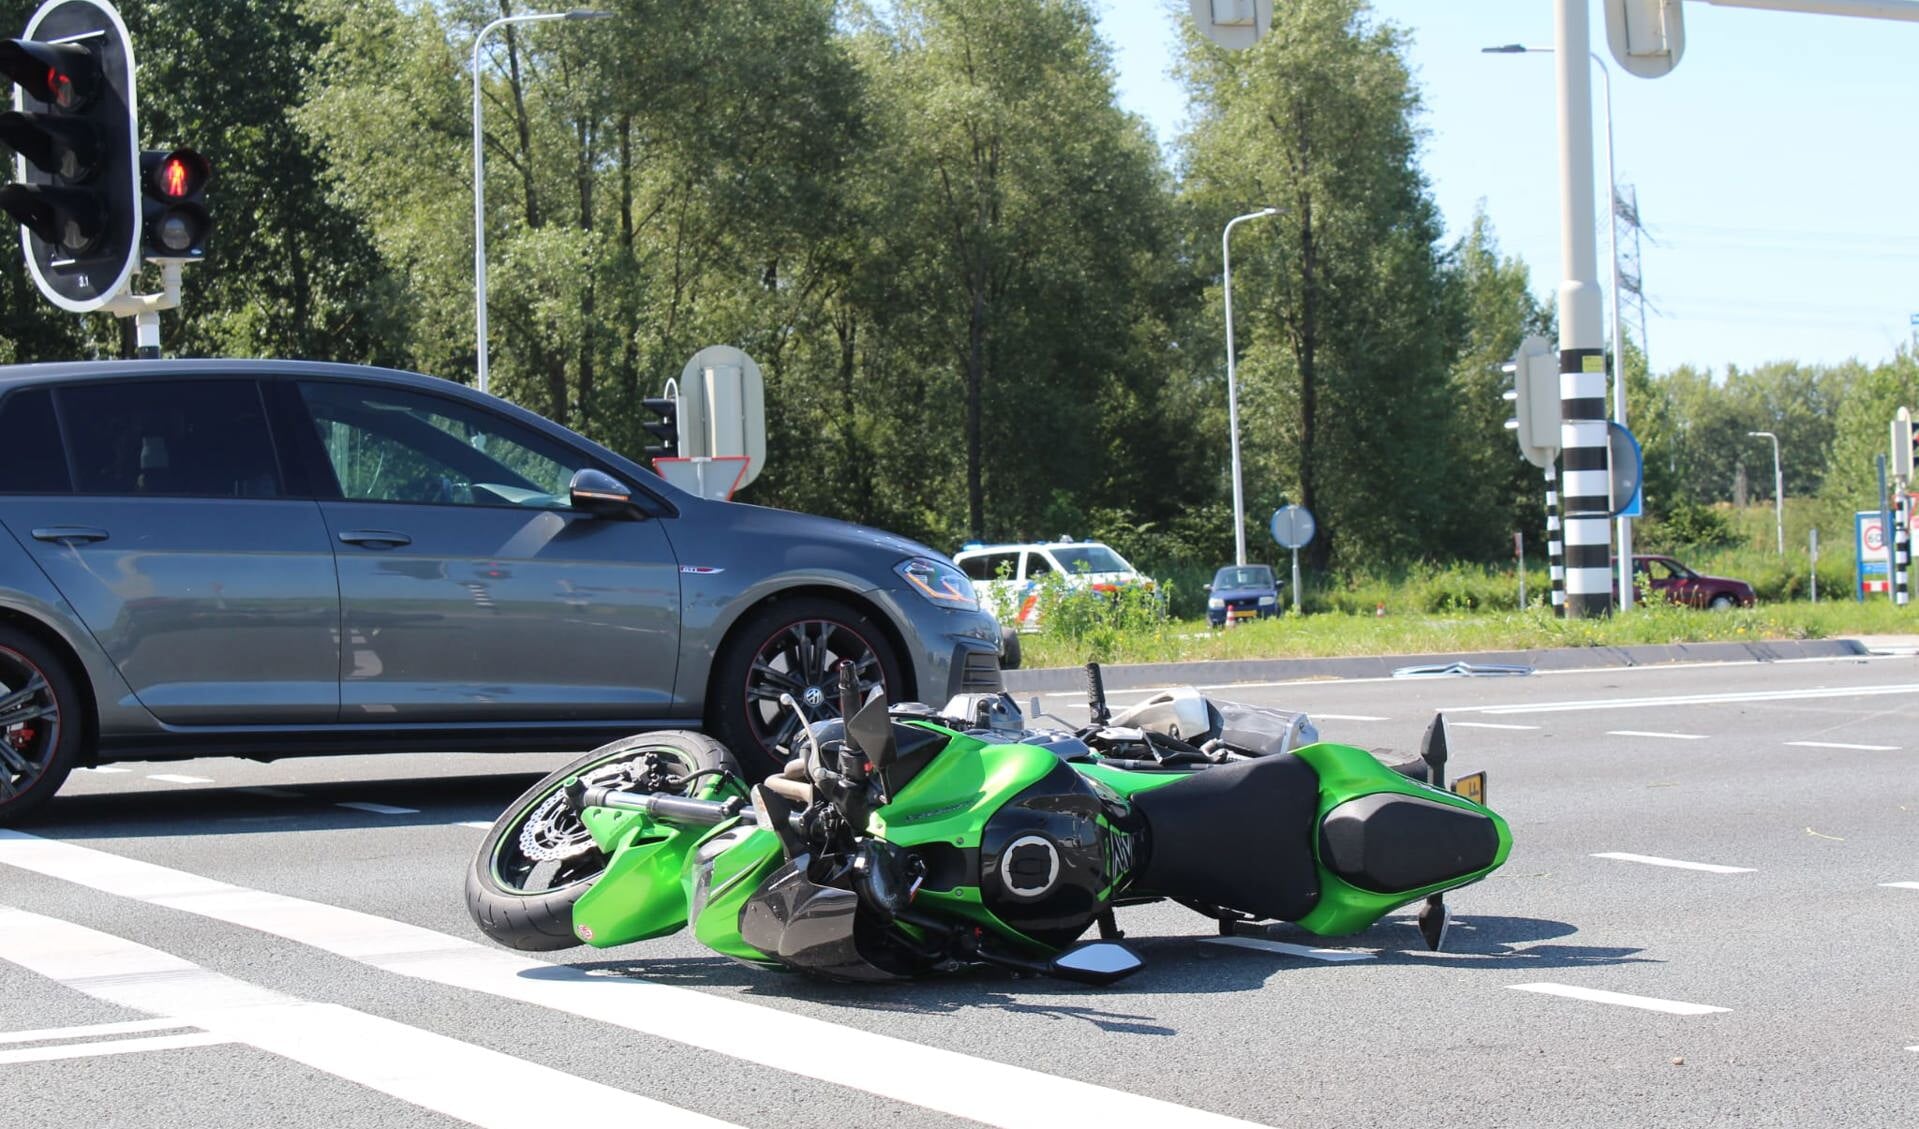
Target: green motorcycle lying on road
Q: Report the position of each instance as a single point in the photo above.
(905, 841)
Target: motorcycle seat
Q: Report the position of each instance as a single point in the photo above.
(1237, 836)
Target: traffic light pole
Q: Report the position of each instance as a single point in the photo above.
(1586, 481)
(145, 309)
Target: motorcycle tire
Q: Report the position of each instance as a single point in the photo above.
(524, 880)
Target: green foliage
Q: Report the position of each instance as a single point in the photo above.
(1097, 621)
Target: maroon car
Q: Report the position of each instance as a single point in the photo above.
(1682, 585)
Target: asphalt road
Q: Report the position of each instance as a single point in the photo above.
(217, 943)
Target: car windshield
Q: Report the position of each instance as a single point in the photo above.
(1246, 576)
(1090, 558)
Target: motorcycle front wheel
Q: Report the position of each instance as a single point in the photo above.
(538, 859)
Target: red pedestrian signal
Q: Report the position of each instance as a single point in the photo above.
(176, 219)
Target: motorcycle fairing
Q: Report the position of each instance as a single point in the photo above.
(727, 868)
(638, 896)
(1347, 774)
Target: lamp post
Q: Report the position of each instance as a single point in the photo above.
(479, 171)
(1778, 488)
(1232, 385)
(1624, 524)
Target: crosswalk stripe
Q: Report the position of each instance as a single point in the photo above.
(90, 1031)
(143, 1045)
(994, 1093)
(417, 1066)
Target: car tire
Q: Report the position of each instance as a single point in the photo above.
(793, 645)
(42, 724)
(1008, 649)
(541, 919)
(1722, 603)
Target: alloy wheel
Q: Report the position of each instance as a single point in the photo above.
(803, 660)
(29, 724)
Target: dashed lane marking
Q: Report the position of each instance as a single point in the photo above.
(1840, 745)
(1659, 736)
(1334, 956)
(176, 778)
(1347, 717)
(414, 1065)
(996, 1093)
(1901, 885)
(476, 824)
(1650, 860)
(377, 809)
(1594, 995)
(1485, 725)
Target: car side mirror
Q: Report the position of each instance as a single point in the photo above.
(600, 494)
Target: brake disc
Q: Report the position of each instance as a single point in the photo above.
(553, 831)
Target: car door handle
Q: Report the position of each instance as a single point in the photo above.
(375, 538)
(70, 534)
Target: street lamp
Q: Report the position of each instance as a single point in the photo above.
(1624, 524)
(1778, 488)
(479, 170)
(1232, 386)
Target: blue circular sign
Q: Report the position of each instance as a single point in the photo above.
(1293, 526)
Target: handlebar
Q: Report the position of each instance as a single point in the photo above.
(675, 809)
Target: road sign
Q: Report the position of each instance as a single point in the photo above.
(1293, 527)
(1233, 24)
(1870, 569)
(723, 409)
(1628, 471)
(1647, 37)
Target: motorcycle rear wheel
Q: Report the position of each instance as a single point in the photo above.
(537, 860)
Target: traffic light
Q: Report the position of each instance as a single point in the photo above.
(74, 129)
(1535, 393)
(1902, 449)
(174, 218)
(666, 429)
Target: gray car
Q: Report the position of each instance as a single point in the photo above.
(271, 558)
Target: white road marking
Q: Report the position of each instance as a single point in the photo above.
(995, 1093)
(377, 809)
(1647, 1003)
(476, 824)
(1662, 736)
(1839, 745)
(428, 1070)
(102, 769)
(91, 1031)
(1901, 885)
(1485, 725)
(176, 778)
(1347, 717)
(1650, 860)
(114, 1047)
(1334, 956)
(1693, 699)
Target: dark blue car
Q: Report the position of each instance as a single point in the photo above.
(1242, 592)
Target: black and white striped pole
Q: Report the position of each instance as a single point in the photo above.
(1586, 472)
(1901, 545)
(1555, 544)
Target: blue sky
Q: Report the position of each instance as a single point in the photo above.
(1777, 167)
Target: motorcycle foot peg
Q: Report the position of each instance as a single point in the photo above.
(1434, 917)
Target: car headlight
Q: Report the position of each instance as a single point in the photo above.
(939, 582)
(1215, 603)
(1268, 601)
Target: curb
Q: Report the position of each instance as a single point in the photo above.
(1135, 676)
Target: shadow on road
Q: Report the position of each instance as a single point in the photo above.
(306, 806)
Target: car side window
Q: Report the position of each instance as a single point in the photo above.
(35, 462)
(1037, 565)
(396, 445)
(198, 438)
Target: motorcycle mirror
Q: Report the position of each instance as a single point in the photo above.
(1096, 962)
(871, 732)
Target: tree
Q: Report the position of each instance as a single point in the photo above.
(1346, 334)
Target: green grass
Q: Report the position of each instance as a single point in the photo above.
(1422, 632)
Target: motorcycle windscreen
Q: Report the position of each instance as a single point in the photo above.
(810, 927)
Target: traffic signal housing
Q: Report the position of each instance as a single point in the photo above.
(1902, 449)
(175, 221)
(666, 429)
(1535, 394)
(74, 128)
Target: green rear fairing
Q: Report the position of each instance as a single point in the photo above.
(1346, 773)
